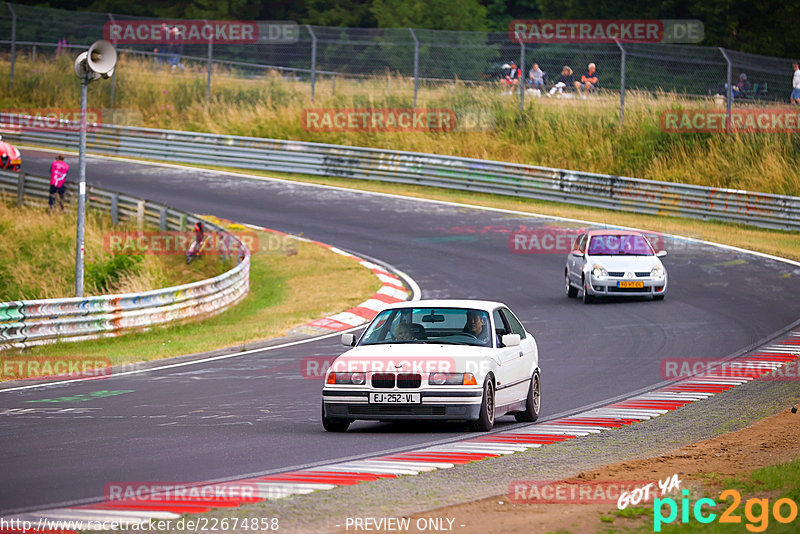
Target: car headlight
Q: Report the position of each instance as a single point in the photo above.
(346, 378)
(657, 272)
(452, 379)
(598, 271)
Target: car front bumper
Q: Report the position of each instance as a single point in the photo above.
(462, 405)
(609, 287)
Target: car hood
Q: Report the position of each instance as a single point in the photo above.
(414, 357)
(625, 263)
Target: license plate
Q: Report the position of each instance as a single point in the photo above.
(394, 398)
(630, 284)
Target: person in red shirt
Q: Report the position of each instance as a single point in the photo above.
(58, 180)
(588, 81)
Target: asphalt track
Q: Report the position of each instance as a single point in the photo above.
(256, 413)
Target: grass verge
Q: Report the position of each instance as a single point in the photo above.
(291, 282)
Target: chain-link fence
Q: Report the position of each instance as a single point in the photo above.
(424, 57)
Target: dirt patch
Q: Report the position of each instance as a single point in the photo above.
(704, 464)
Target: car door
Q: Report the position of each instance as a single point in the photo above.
(575, 262)
(510, 371)
(527, 355)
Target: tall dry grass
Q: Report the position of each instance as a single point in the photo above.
(37, 258)
(574, 134)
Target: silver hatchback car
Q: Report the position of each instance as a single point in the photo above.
(614, 263)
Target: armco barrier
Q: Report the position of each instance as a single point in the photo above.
(575, 187)
(31, 322)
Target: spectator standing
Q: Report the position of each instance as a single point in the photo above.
(588, 81)
(795, 98)
(565, 82)
(58, 178)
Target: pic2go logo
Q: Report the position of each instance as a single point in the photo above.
(756, 511)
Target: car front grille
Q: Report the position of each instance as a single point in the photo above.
(409, 380)
(616, 274)
(642, 274)
(383, 380)
(396, 409)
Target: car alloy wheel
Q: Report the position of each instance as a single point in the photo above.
(485, 420)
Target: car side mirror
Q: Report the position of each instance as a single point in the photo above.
(661, 253)
(577, 253)
(348, 340)
(511, 340)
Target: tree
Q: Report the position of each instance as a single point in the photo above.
(464, 15)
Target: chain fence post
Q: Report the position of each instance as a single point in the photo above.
(621, 82)
(416, 65)
(114, 73)
(728, 91)
(313, 59)
(208, 68)
(521, 78)
(13, 45)
(21, 189)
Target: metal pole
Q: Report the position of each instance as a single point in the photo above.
(13, 46)
(521, 78)
(728, 91)
(81, 193)
(113, 74)
(313, 59)
(208, 68)
(416, 65)
(621, 84)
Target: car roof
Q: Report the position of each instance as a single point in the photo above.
(612, 232)
(487, 305)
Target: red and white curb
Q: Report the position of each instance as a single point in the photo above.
(392, 290)
(737, 371)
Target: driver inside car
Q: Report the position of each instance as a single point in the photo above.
(477, 325)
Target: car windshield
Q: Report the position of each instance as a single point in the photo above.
(619, 245)
(449, 326)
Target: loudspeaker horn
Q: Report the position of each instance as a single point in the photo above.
(101, 58)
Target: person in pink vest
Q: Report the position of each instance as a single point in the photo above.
(58, 178)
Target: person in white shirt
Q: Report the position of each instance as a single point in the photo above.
(795, 98)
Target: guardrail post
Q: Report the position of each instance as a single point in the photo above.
(621, 83)
(13, 46)
(182, 226)
(728, 91)
(416, 65)
(140, 207)
(162, 219)
(20, 189)
(313, 59)
(115, 208)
